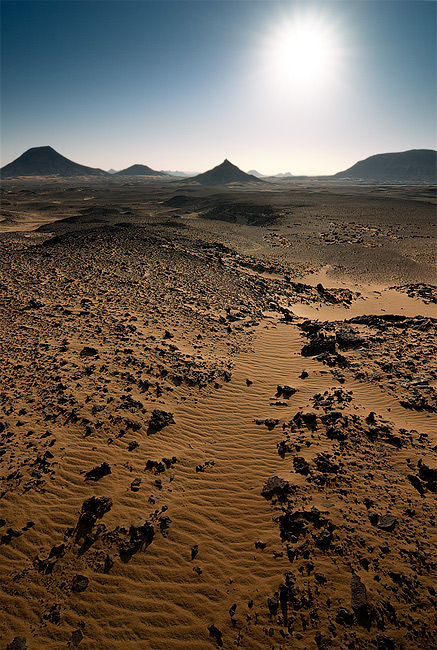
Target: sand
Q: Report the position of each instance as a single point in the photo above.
(170, 357)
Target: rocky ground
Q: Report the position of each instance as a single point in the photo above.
(217, 417)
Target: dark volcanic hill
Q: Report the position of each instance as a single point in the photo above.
(417, 165)
(225, 173)
(139, 170)
(45, 161)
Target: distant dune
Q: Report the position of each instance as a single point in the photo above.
(45, 161)
(417, 165)
(139, 170)
(225, 173)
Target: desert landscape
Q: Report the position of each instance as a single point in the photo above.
(218, 413)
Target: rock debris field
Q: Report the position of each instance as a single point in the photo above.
(217, 416)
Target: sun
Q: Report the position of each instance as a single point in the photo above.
(303, 51)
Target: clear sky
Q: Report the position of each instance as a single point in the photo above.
(302, 87)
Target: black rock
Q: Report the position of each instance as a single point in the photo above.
(18, 643)
(318, 345)
(358, 594)
(133, 445)
(300, 465)
(159, 420)
(97, 473)
(429, 475)
(325, 464)
(96, 506)
(385, 643)
(273, 604)
(387, 522)
(194, 551)
(276, 486)
(88, 352)
(416, 483)
(80, 583)
(344, 616)
(260, 545)
(271, 423)
(348, 338)
(135, 485)
(76, 637)
(109, 563)
(164, 525)
(216, 634)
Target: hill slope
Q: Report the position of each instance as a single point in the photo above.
(45, 161)
(139, 170)
(225, 173)
(417, 165)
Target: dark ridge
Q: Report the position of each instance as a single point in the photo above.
(224, 174)
(45, 161)
(139, 170)
(415, 166)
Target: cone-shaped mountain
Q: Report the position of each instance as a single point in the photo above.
(45, 161)
(225, 173)
(140, 170)
(417, 165)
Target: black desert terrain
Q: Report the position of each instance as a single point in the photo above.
(217, 413)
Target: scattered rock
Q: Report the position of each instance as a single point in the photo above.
(88, 352)
(358, 594)
(300, 465)
(387, 522)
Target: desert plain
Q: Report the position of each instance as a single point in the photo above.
(217, 415)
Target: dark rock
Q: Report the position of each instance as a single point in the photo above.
(303, 374)
(318, 345)
(260, 545)
(139, 537)
(216, 634)
(285, 391)
(135, 485)
(88, 352)
(416, 483)
(76, 637)
(164, 525)
(80, 583)
(320, 577)
(271, 423)
(96, 506)
(273, 604)
(387, 522)
(98, 472)
(325, 464)
(159, 420)
(429, 475)
(349, 338)
(358, 594)
(133, 445)
(34, 303)
(155, 465)
(109, 563)
(385, 643)
(344, 616)
(300, 465)
(18, 643)
(374, 518)
(194, 551)
(276, 486)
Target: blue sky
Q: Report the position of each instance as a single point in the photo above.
(305, 87)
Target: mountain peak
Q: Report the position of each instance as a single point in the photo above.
(225, 173)
(45, 161)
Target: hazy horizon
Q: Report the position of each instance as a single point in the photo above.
(308, 88)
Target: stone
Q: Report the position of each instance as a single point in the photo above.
(98, 472)
(76, 637)
(358, 594)
(387, 522)
(80, 583)
(276, 486)
(18, 643)
(159, 420)
(109, 563)
(216, 634)
(88, 352)
(300, 465)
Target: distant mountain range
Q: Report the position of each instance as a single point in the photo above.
(417, 165)
(224, 174)
(139, 170)
(45, 161)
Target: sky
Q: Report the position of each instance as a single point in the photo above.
(306, 87)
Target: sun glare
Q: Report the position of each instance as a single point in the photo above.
(303, 52)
